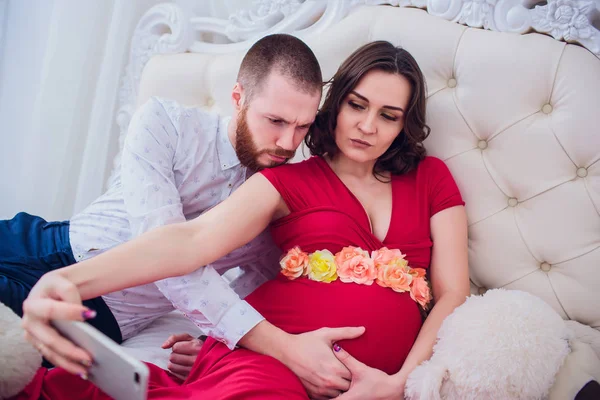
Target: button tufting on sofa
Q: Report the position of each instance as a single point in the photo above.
(482, 144)
(545, 266)
(582, 172)
(532, 160)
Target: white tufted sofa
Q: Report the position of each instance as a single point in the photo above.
(515, 117)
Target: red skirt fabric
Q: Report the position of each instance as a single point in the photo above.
(219, 374)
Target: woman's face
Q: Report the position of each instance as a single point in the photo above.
(372, 115)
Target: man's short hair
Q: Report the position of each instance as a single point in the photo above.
(285, 54)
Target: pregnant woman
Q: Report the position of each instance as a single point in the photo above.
(367, 225)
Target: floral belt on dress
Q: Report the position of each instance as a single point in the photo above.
(387, 267)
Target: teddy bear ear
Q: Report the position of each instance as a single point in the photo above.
(425, 382)
(19, 358)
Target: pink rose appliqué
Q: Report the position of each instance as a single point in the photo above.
(417, 272)
(358, 269)
(294, 264)
(394, 276)
(385, 256)
(419, 291)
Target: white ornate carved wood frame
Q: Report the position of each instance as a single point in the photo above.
(167, 28)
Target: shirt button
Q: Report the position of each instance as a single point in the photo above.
(230, 185)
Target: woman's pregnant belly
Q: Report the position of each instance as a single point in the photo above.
(392, 320)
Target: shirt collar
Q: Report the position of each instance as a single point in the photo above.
(225, 150)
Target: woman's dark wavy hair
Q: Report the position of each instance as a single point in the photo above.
(407, 149)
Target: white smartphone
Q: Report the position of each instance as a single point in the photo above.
(117, 373)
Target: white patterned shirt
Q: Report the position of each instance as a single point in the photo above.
(177, 163)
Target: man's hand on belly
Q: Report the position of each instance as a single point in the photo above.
(309, 355)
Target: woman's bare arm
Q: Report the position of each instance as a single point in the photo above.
(449, 277)
(178, 249)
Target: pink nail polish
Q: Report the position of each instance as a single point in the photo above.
(336, 347)
(88, 314)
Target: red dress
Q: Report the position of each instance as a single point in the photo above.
(324, 214)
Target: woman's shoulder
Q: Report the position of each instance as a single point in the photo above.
(435, 177)
(296, 182)
(432, 164)
(430, 174)
(293, 173)
(428, 168)
(432, 169)
(310, 162)
(293, 168)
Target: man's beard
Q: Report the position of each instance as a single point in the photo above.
(246, 150)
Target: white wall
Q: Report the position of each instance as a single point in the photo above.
(23, 37)
(61, 65)
(61, 62)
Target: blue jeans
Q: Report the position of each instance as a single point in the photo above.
(30, 247)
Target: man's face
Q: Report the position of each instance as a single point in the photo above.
(273, 124)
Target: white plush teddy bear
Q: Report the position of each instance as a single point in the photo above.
(506, 344)
(20, 360)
